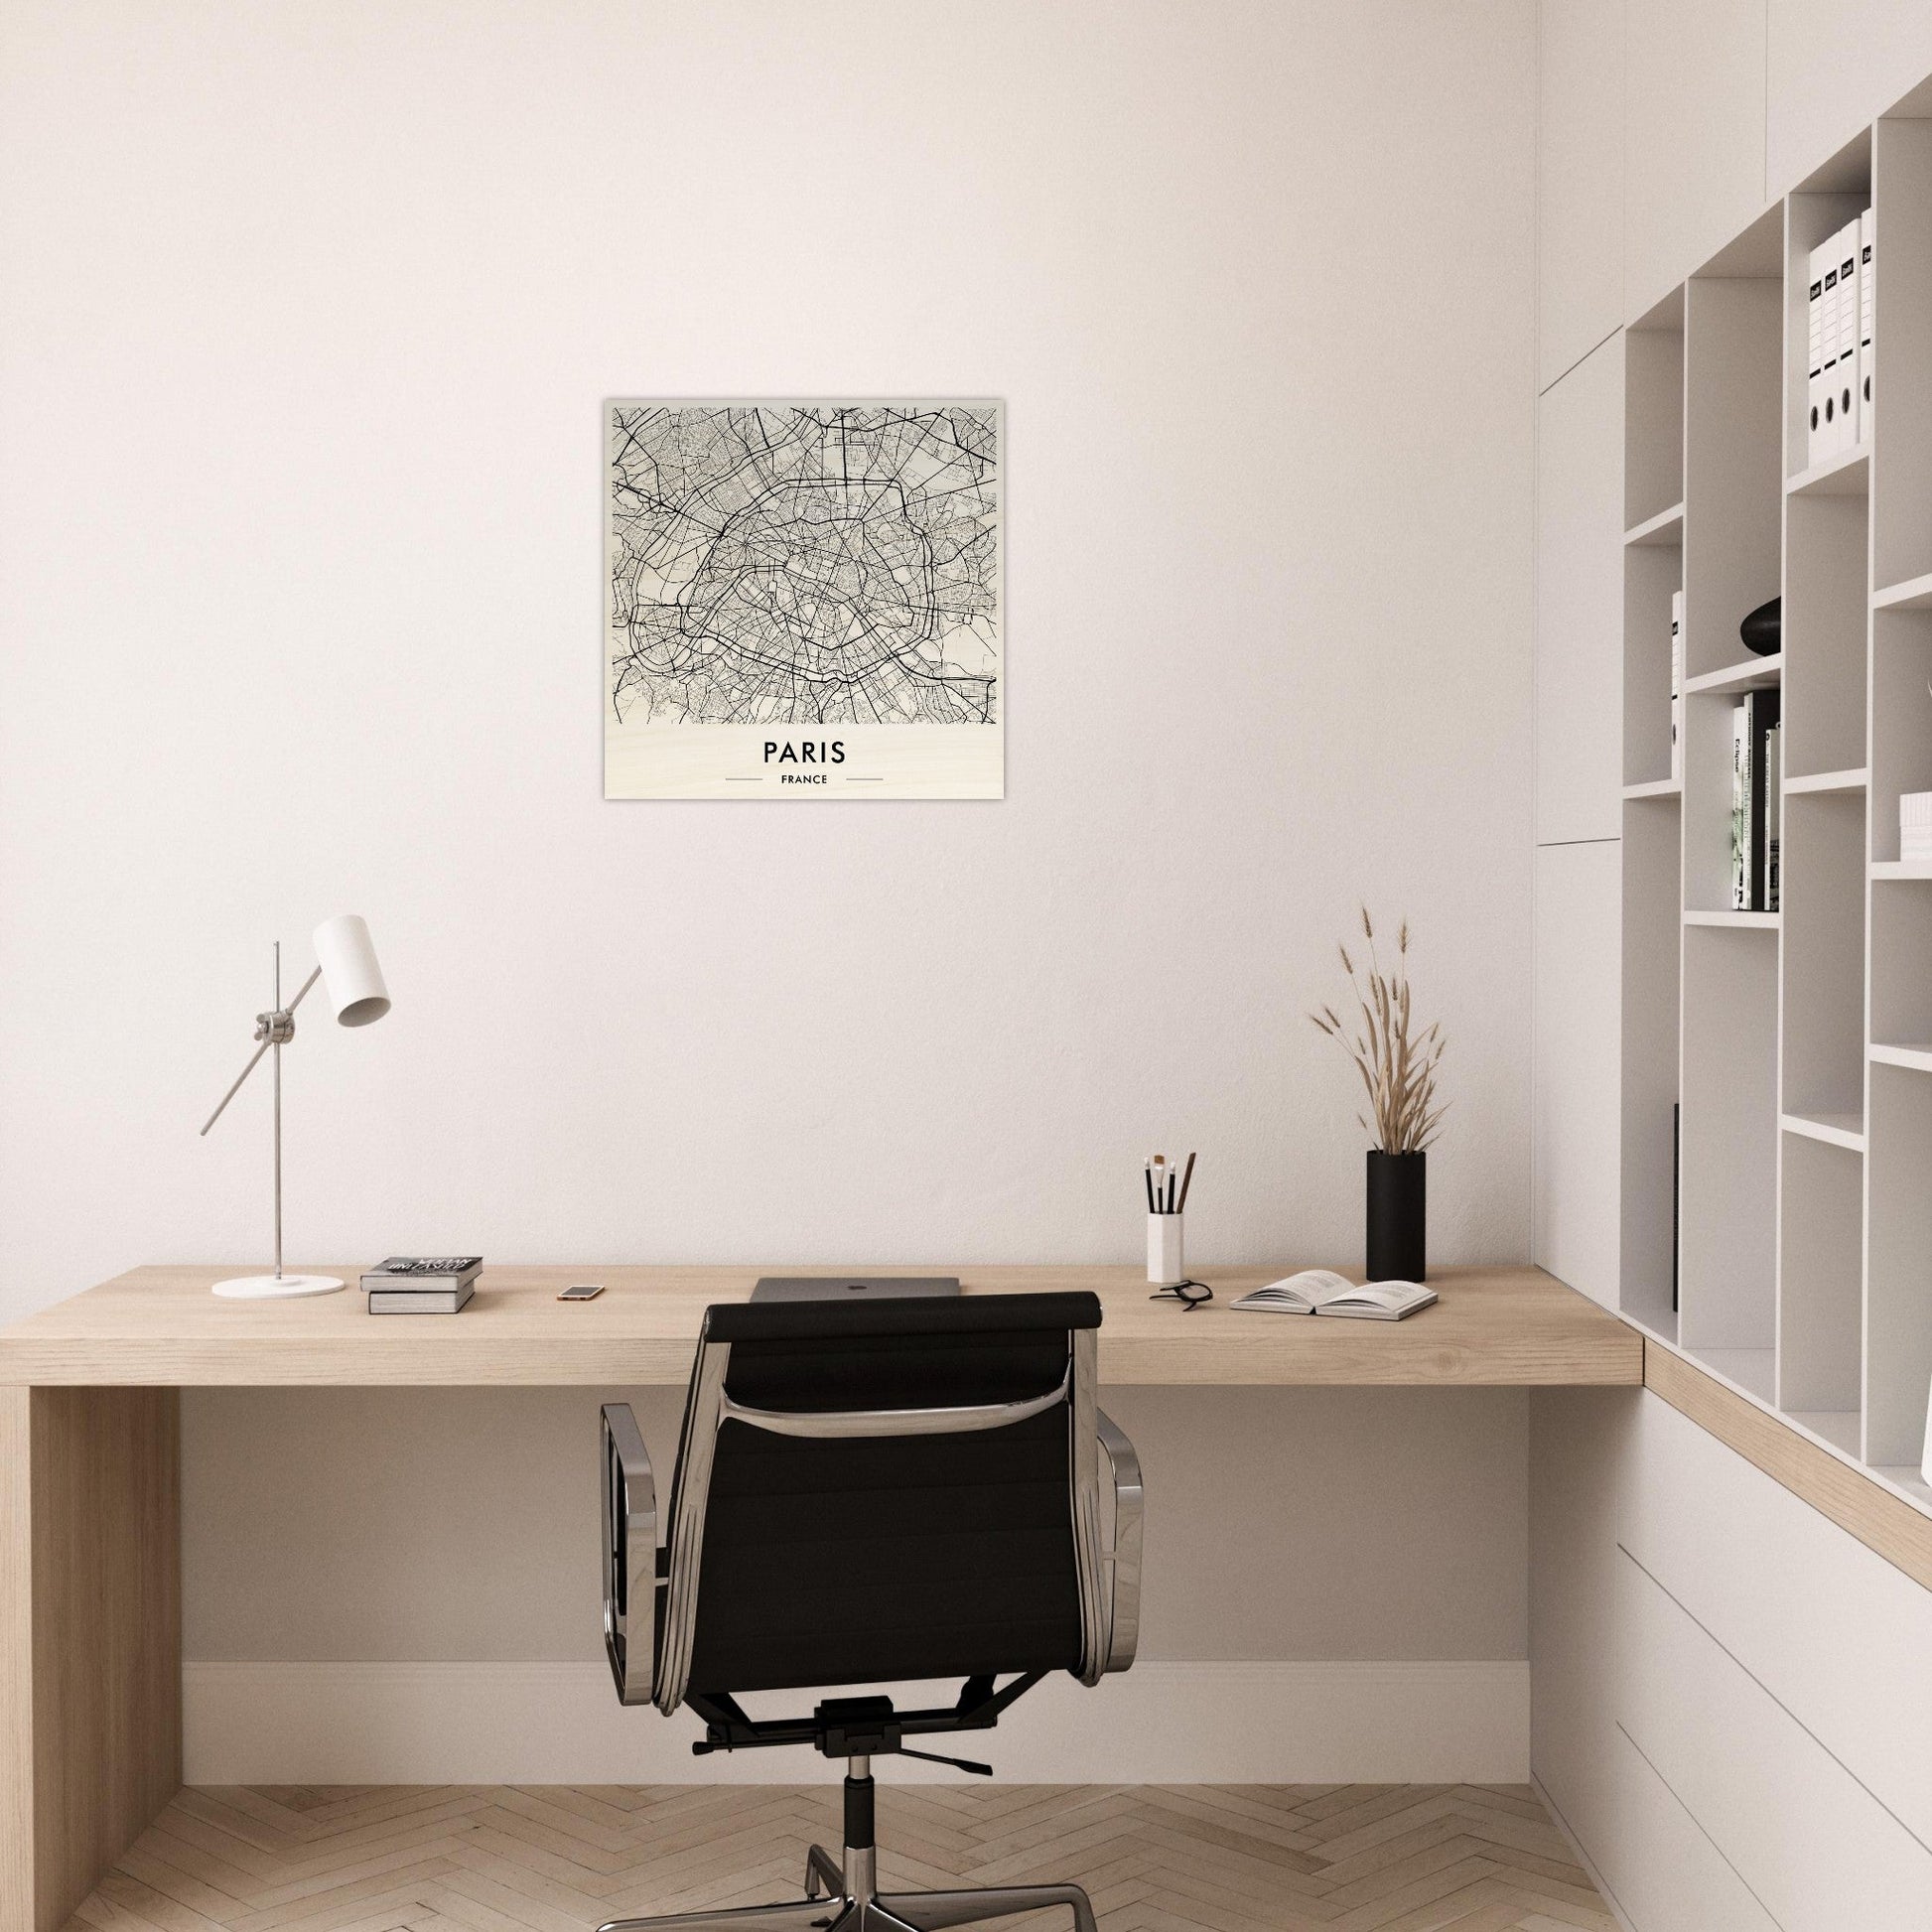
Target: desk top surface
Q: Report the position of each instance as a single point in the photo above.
(160, 1327)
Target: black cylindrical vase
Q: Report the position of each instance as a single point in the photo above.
(1398, 1215)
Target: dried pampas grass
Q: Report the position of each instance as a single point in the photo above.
(1398, 1066)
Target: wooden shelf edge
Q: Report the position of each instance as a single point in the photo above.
(1754, 674)
(1861, 1504)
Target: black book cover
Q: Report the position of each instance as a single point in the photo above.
(1676, 1191)
(1760, 714)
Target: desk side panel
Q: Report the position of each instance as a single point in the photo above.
(104, 1545)
(16, 1664)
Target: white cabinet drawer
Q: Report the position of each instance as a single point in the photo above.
(1814, 1846)
(1834, 1632)
(1666, 1874)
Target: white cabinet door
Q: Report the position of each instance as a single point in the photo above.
(1831, 68)
(1580, 179)
(1579, 753)
(1574, 1111)
(1693, 137)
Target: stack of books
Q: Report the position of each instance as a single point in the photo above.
(421, 1284)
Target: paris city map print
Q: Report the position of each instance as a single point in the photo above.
(803, 601)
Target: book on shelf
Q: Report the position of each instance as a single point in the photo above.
(1753, 818)
(1320, 1290)
(1868, 301)
(1741, 810)
(1844, 391)
(1773, 807)
(422, 1274)
(1676, 1193)
(1815, 355)
(1677, 686)
(420, 1300)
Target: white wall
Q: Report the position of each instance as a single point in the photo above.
(309, 314)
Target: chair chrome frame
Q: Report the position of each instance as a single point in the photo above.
(841, 1895)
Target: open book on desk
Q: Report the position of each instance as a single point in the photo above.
(1320, 1290)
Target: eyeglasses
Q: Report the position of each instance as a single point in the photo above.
(1190, 1295)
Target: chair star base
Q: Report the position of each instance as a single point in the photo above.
(842, 1895)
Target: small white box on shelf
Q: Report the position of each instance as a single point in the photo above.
(1915, 825)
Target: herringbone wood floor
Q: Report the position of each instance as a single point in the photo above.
(558, 1859)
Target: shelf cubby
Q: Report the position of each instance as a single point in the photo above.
(1899, 1291)
(1651, 574)
(1901, 401)
(1734, 475)
(1901, 963)
(1821, 1241)
(1652, 853)
(1653, 418)
(1728, 1220)
(1901, 717)
(1817, 210)
(1822, 917)
(1825, 615)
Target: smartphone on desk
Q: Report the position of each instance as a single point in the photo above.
(581, 1292)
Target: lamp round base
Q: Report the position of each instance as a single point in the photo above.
(275, 1288)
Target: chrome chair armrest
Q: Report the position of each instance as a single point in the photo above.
(1122, 1560)
(630, 1555)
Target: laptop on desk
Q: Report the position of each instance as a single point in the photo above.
(848, 1288)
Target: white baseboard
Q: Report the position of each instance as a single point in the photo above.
(561, 1724)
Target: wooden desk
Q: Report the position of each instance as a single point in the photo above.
(90, 1460)
(160, 1326)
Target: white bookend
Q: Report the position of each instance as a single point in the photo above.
(1815, 314)
(1846, 390)
(1741, 809)
(1866, 299)
(1677, 686)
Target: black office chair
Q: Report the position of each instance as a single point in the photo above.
(868, 1494)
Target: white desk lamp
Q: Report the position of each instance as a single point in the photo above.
(345, 965)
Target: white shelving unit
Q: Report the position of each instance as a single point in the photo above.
(1797, 1043)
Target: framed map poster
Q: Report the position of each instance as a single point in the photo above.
(803, 599)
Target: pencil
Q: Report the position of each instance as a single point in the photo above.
(1186, 1181)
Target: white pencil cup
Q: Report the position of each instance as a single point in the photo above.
(1165, 1265)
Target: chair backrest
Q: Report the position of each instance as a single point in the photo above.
(890, 1490)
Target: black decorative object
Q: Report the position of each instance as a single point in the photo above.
(1398, 1216)
(1763, 630)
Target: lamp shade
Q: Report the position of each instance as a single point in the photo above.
(350, 975)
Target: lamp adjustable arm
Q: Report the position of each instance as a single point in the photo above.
(274, 1028)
